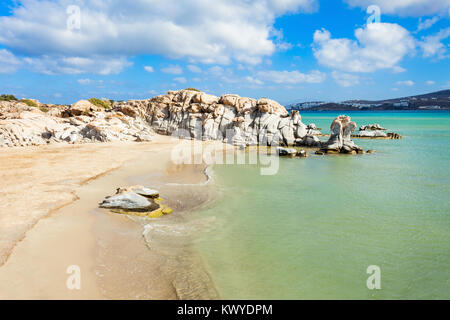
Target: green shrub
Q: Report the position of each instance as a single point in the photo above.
(7, 97)
(192, 89)
(44, 109)
(30, 103)
(100, 103)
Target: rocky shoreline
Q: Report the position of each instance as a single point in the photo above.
(187, 114)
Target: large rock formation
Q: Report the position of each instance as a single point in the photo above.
(189, 114)
(340, 140)
(230, 118)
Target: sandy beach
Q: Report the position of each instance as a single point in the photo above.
(50, 220)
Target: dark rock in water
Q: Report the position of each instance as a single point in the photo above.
(286, 152)
(371, 151)
(320, 152)
(302, 154)
(394, 136)
(291, 152)
(340, 140)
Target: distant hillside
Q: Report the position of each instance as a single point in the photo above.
(431, 101)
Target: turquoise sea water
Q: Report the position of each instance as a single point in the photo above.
(311, 231)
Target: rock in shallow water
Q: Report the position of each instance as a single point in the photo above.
(375, 131)
(340, 140)
(291, 152)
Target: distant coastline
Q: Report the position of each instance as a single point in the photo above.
(435, 101)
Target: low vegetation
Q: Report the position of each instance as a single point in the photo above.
(30, 103)
(7, 97)
(100, 103)
(44, 109)
(192, 89)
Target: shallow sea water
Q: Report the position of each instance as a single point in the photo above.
(312, 230)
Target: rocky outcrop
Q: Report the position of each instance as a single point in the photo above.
(340, 140)
(230, 118)
(33, 127)
(138, 201)
(187, 114)
(375, 131)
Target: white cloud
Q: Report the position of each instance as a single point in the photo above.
(432, 45)
(408, 83)
(180, 80)
(345, 79)
(398, 69)
(216, 71)
(291, 77)
(378, 46)
(149, 69)
(217, 31)
(427, 23)
(77, 65)
(430, 82)
(8, 62)
(254, 81)
(405, 7)
(194, 69)
(84, 82)
(172, 70)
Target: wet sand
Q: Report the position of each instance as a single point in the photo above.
(49, 220)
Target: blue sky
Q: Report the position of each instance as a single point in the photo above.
(289, 50)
